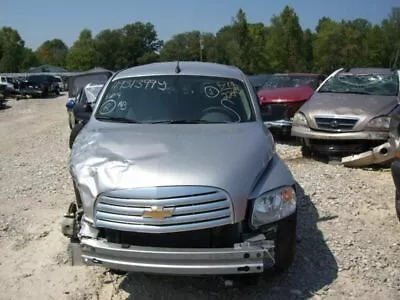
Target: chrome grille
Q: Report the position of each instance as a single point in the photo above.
(336, 124)
(192, 208)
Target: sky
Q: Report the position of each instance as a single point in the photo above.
(37, 21)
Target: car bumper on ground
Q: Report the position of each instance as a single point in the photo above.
(308, 133)
(243, 258)
(378, 155)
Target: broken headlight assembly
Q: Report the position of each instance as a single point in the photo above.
(273, 206)
(379, 123)
(299, 119)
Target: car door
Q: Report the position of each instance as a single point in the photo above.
(79, 111)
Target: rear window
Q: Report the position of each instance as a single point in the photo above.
(173, 98)
(369, 84)
(290, 81)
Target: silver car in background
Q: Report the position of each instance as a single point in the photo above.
(176, 173)
(349, 114)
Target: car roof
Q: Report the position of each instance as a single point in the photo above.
(359, 71)
(186, 68)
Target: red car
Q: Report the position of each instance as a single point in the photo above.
(282, 95)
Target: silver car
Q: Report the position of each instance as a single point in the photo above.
(176, 173)
(349, 113)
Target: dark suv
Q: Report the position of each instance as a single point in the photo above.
(39, 85)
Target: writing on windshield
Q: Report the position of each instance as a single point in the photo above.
(168, 99)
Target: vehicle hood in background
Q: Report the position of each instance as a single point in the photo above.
(364, 107)
(278, 95)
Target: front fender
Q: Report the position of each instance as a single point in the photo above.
(277, 174)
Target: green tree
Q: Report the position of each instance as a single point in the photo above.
(189, 46)
(139, 44)
(391, 32)
(257, 55)
(108, 47)
(11, 50)
(52, 52)
(285, 42)
(29, 60)
(308, 39)
(241, 34)
(81, 56)
(227, 47)
(327, 46)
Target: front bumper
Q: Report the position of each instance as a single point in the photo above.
(247, 257)
(278, 124)
(378, 155)
(308, 133)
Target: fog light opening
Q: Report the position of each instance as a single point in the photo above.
(383, 151)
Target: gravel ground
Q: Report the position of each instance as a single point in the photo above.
(349, 234)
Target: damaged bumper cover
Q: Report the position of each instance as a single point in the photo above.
(377, 155)
(247, 257)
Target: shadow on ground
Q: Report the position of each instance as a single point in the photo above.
(286, 139)
(315, 267)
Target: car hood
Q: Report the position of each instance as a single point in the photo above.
(364, 107)
(111, 156)
(276, 95)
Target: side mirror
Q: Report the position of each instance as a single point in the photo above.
(83, 111)
(70, 104)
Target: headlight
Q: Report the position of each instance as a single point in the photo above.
(273, 206)
(380, 123)
(299, 120)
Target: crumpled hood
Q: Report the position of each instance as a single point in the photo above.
(276, 95)
(364, 106)
(111, 156)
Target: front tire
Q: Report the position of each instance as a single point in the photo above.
(74, 133)
(285, 243)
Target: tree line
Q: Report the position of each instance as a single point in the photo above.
(283, 46)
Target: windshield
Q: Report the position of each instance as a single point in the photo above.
(373, 84)
(176, 98)
(289, 81)
(90, 93)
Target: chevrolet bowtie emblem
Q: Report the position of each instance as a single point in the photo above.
(158, 212)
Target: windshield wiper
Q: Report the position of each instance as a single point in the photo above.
(117, 119)
(185, 121)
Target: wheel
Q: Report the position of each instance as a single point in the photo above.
(74, 133)
(397, 204)
(306, 151)
(285, 243)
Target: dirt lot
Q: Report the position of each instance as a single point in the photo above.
(349, 247)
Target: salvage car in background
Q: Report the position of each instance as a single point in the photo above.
(78, 108)
(258, 80)
(282, 95)
(39, 86)
(176, 173)
(350, 114)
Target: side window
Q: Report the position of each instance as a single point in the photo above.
(78, 97)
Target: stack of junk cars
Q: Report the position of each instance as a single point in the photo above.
(345, 116)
